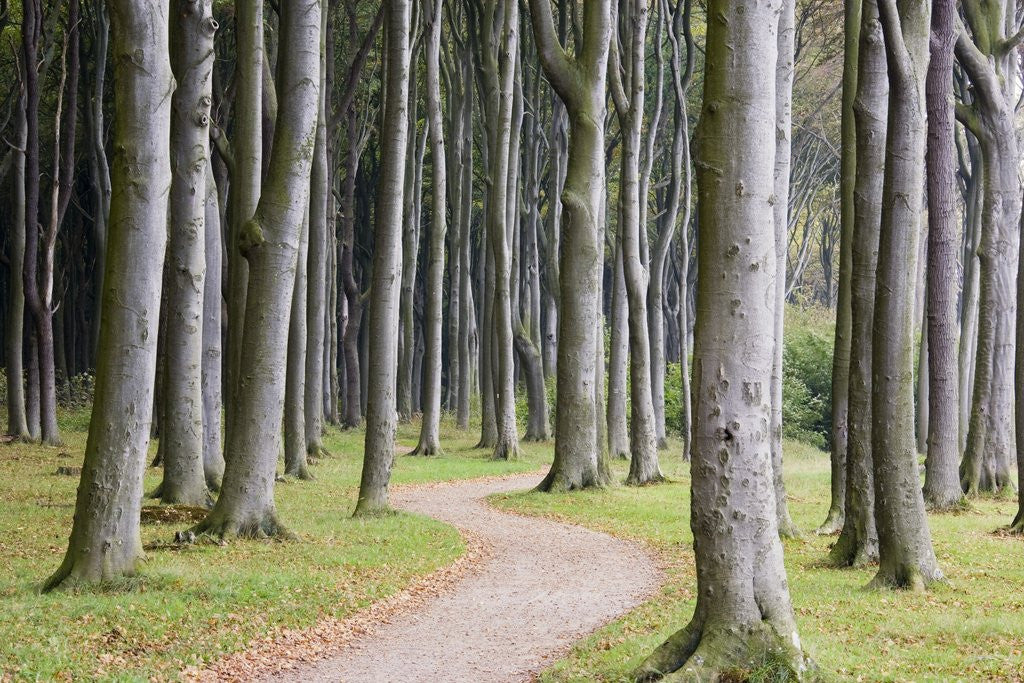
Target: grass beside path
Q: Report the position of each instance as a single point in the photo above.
(190, 606)
(968, 629)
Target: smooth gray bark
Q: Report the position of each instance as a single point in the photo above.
(105, 538)
(181, 427)
(905, 554)
(296, 462)
(213, 357)
(14, 347)
(743, 610)
(270, 244)
(381, 410)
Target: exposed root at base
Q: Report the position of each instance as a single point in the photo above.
(225, 529)
(738, 653)
(833, 523)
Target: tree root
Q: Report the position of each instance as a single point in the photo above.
(506, 449)
(427, 449)
(223, 528)
(300, 471)
(833, 523)
(903, 577)
(732, 653)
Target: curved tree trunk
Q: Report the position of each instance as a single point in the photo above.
(580, 82)
(105, 538)
(270, 243)
(381, 415)
(181, 428)
(743, 611)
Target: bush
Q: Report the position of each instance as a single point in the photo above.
(807, 376)
(77, 391)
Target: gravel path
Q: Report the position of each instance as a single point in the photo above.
(542, 586)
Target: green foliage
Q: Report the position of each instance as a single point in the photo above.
(673, 399)
(77, 391)
(807, 376)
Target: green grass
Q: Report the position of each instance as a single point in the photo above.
(970, 628)
(190, 606)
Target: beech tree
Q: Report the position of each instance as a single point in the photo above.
(743, 606)
(105, 539)
(580, 83)
(905, 554)
(270, 243)
(381, 410)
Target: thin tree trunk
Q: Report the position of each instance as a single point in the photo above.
(181, 433)
(618, 435)
(105, 538)
(857, 544)
(213, 357)
(381, 416)
(296, 462)
(430, 438)
(14, 329)
(942, 479)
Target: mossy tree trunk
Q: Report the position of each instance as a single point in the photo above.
(905, 554)
(105, 541)
(857, 544)
(744, 618)
(580, 83)
(270, 242)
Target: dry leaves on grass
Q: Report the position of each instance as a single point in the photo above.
(289, 648)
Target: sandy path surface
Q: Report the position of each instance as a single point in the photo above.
(542, 586)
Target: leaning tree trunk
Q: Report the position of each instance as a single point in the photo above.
(580, 83)
(905, 554)
(105, 539)
(941, 479)
(857, 544)
(743, 611)
(381, 415)
(213, 456)
(181, 427)
(842, 348)
(430, 427)
(270, 243)
(14, 329)
(783, 129)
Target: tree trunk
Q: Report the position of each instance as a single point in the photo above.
(465, 276)
(270, 242)
(941, 479)
(618, 435)
(316, 270)
(105, 541)
(905, 554)
(182, 425)
(99, 168)
(381, 415)
(857, 544)
(580, 83)
(245, 188)
(14, 329)
(296, 462)
(783, 129)
(410, 249)
(430, 427)
(743, 612)
(213, 456)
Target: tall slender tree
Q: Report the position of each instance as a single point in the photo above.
(381, 416)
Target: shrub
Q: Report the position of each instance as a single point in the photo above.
(807, 376)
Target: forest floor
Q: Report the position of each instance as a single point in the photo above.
(193, 607)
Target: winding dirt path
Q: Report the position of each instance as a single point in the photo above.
(540, 587)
